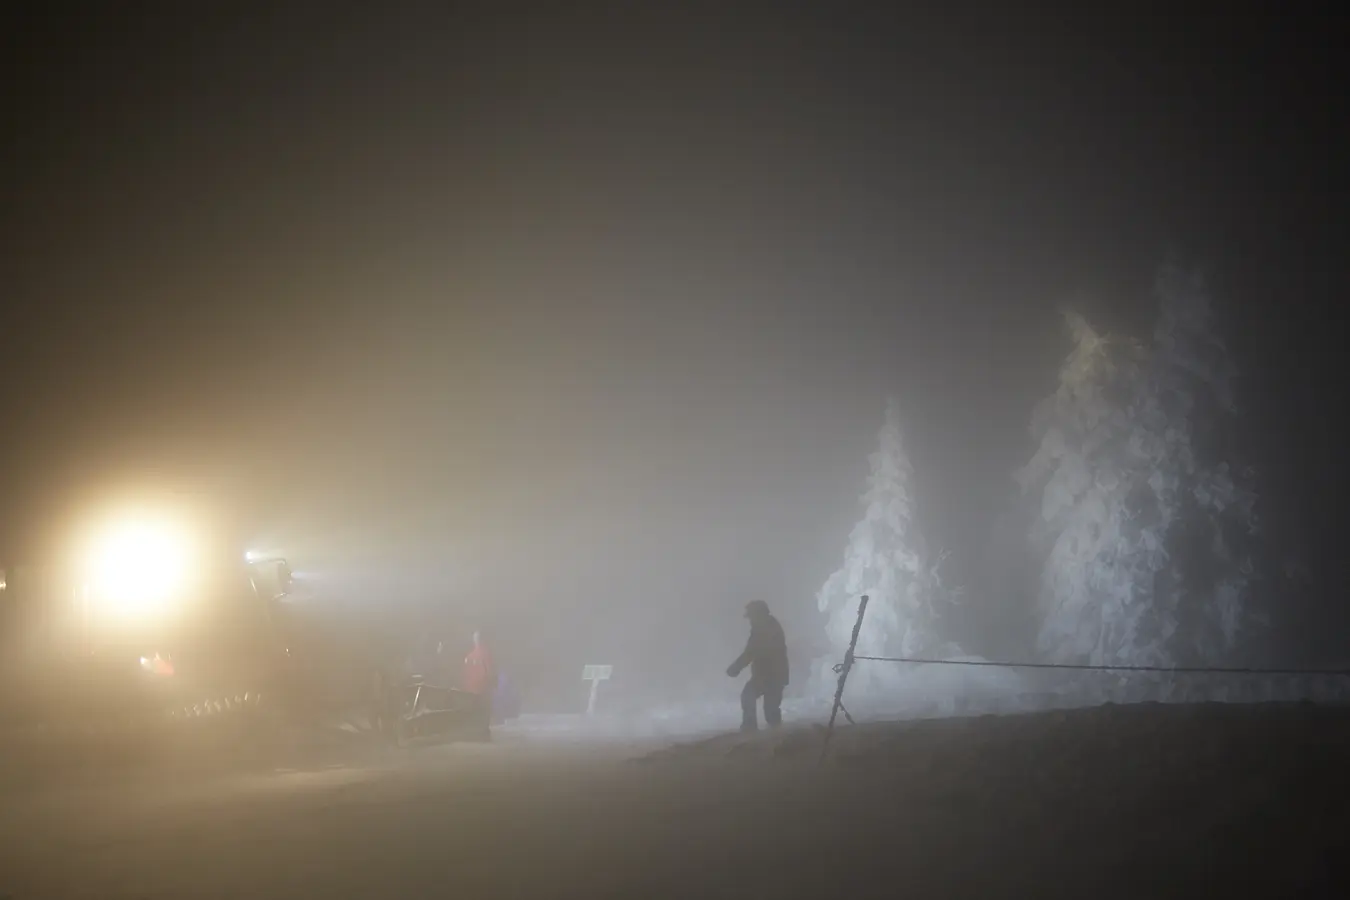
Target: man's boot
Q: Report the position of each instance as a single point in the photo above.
(773, 707)
(749, 712)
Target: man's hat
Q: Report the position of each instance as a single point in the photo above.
(756, 608)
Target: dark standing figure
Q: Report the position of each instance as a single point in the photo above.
(766, 655)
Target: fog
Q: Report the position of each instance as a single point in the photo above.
(575, 331)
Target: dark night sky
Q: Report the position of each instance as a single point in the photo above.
(576, 307)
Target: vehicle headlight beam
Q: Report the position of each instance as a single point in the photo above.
(139, 567)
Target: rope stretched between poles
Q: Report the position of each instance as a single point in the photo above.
(1084, 667)
(843, 669)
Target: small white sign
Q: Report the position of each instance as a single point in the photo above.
(595, 675)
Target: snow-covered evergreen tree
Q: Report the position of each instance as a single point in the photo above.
(1139, 529)
(1084, 477)
(887, 558)
(1188, 408)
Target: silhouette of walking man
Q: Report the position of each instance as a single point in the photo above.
(766, 655)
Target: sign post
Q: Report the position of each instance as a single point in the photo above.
(595, 675)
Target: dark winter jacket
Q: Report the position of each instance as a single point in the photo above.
(765, 653)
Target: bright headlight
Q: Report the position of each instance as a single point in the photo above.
(139, 567)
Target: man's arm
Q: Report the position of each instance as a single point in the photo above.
(747, 656)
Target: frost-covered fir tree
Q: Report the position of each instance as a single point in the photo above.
(887, 559)
(1188, 411)
(1095, 555)
(1139, 531)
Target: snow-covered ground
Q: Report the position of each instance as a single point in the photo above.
(1148, 737)
(1146, 799)
(1116, 801)
(914, 691)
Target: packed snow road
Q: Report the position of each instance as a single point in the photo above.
(1109, 802)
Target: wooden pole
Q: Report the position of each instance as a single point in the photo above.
(844, 669)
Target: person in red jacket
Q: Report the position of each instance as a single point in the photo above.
(480, 675)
